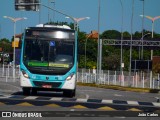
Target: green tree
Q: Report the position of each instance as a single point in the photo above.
(110, 54)
(111, 62)
(137, 35)
(111, 34)
(5, 44)
(91, 53)
(126, 35)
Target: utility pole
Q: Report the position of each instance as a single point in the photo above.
(99, 54)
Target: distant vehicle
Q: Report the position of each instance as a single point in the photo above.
(49, 59)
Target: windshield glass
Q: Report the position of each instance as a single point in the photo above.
(43, 54)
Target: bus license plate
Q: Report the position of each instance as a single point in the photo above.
(46, 86)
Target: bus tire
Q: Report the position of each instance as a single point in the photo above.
(69, 93)
(26, 91)
(74, 92)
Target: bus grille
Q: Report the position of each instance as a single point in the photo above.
(53, 84)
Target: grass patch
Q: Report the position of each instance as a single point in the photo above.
(116, 87)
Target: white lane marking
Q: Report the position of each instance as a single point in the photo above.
(156, 104)
(5, 96)
(107, 101)
(31, 97)
(56, 99)
(132, 102)
(72, 109)
(81, 100)
(117, 95)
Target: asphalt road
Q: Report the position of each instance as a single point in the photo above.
(86, 93)
(18, 102)
(100, 93)
(68, 114)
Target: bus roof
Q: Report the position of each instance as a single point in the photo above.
(53, 26)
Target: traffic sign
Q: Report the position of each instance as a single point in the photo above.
(27, 5)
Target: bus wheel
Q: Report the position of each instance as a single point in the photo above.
(26, 91)
(34, 91)
(74, 92)
(69, 93)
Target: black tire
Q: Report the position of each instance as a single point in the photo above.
(26, 91)
(74, 92)
(69, 93)
(34, 91)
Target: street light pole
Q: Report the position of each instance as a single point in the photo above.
(153, 20)
(142, 44)
(121, 62)
(54, 3)
(131, 39)
(77, 20)
(49, 16)
(143, 19)
(86, 48)
(60, 13)
(141, 55)
(99, 41)
(14, 20)
(48, 12)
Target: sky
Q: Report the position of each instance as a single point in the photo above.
(110, 15)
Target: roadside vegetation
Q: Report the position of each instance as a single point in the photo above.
(111, 54)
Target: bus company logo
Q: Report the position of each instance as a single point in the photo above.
(47, 78)
(6, 114)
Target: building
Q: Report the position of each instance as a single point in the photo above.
(93, 35)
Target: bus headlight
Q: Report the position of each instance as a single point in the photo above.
(25, 74)
(70, 77)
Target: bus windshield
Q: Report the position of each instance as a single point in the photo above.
(42, 55)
